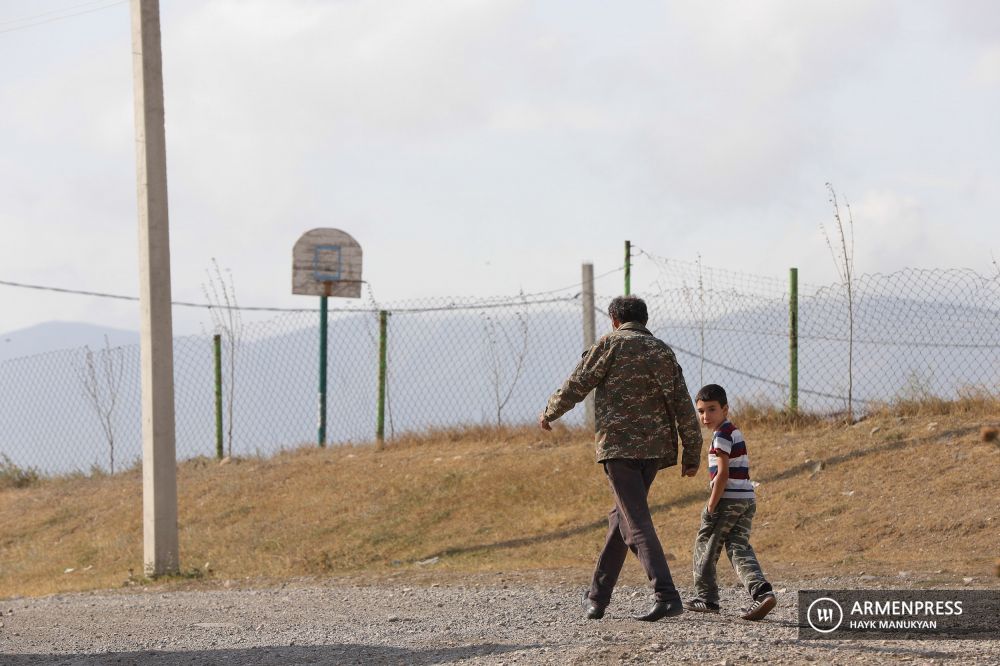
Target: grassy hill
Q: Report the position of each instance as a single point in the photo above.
(914, 494)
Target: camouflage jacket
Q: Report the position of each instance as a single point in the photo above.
(641, 401)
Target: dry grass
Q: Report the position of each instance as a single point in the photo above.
(12, 476)
(753, 416)
(909, 495)
(915, 401)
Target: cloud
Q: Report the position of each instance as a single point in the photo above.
(987, 68)
(447, 134)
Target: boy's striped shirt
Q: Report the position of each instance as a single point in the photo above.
(729, 440)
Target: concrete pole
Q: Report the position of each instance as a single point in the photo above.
(159, 460)
(589, 333)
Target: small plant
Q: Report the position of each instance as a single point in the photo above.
(698, 311)
(100, 376)
(13, 476)
(843, 258)
(506, 356)
(227, 321)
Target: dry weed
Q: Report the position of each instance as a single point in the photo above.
(989, 434)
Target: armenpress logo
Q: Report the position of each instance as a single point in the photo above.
(825, 615)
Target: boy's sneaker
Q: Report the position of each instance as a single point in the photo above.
(699, 606)
(761, 607)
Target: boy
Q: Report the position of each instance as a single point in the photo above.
(726, 519)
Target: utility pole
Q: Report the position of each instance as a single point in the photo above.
(589, 336)
(159, 459)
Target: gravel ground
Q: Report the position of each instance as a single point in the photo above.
(332, 622)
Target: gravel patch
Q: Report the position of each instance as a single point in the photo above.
(495, 624)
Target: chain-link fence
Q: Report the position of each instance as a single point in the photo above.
(463, 361)
(912, 334)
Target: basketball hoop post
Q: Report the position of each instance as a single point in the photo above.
(325, 263)
(322, 371)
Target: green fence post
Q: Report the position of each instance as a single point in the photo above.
(383, 318)
(321, 435)
(628, 267)
(217, 348)
(793, 339)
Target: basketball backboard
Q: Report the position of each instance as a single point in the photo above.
(326, 262)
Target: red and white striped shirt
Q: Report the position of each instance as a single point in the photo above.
(729, 440)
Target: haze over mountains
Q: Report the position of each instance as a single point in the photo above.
(54, 335)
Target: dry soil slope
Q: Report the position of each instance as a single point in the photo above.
(910, 496)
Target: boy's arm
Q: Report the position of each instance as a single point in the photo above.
(719, 483)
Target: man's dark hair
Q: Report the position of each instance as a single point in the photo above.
(628, 308)
(712, 393)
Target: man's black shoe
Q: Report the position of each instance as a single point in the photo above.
(660, 610)
(593, 612)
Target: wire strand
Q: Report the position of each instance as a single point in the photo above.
(58, 18)
(54, 11)
(120, 297)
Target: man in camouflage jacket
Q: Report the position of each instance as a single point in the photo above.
(641, 405)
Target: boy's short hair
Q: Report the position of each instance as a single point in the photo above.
(712, 393)
(628, 308)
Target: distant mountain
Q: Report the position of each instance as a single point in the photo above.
(55, 335)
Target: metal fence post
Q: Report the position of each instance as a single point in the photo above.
(628, 267)
(793, 339)
(321, 434)
(217, 348)
(589, 335)
(383, 317)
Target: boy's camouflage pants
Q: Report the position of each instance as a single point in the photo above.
(728, 526)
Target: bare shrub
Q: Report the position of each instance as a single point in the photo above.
(843, 259)
(226, 321)
(506, 356)
(100, 376)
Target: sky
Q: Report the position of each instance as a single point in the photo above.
(484, 148)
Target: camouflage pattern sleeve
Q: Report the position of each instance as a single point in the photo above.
(687, 420)
(588, 374)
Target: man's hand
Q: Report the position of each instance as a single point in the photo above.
(688, 470)
(544, 422)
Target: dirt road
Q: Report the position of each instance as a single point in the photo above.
(312, 622)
